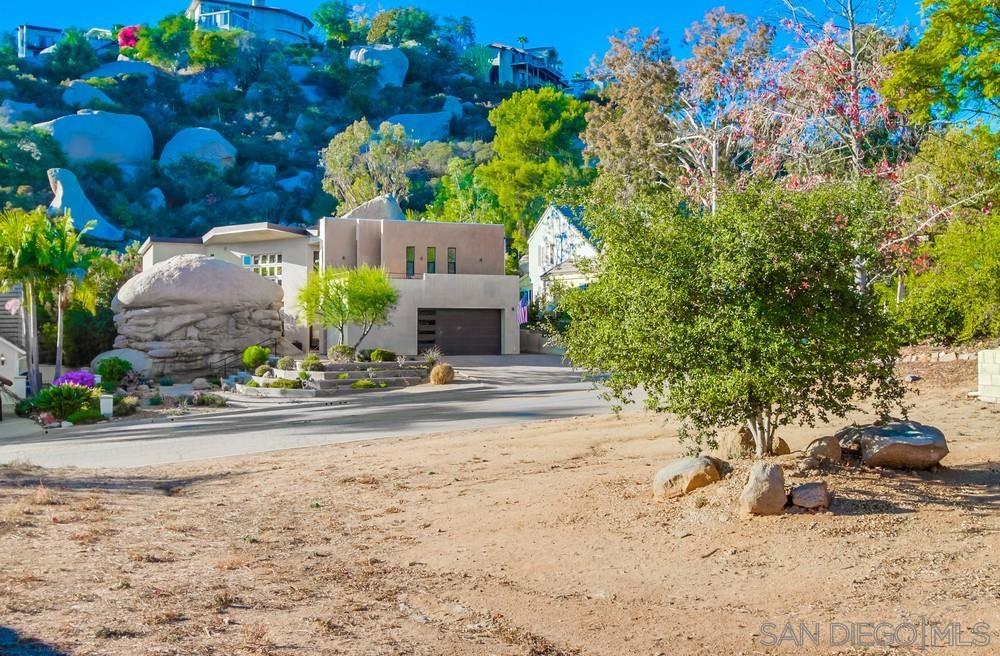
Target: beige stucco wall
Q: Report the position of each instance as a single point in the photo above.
(163, 251)
(442, 291)
(340, 243)
(479, 247)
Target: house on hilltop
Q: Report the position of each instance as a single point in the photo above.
(35, 40)
(556, 247)
(526, 67)
(269, 23)
(453, 291)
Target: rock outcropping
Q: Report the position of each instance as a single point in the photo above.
(88, 135)
(70, 197)
(433, 126)
(122, 68)
(381, 208)
(80, 94)
(391, 62)
(192, 311)
(203, 144)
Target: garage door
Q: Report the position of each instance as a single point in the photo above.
(459, 332)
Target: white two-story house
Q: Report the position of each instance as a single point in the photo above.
(268, 23)
(556, 247)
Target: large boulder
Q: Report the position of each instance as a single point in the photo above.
(896, 445)
(433, 126)
(122, 68)
(825, 448)
(193, 312)
(202, 144)
(391, 62)
(384, 208)
(88, 135)
(70, 197)
(685, 475)
(12, 112)
(301, 181)
(80, 94)
(453, 106)
(764, 493)
(195, 87)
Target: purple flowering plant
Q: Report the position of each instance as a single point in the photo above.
(81, 378)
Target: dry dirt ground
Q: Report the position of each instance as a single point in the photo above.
(540, 539)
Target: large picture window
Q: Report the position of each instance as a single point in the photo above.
(268, 265)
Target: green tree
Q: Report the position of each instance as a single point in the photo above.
(395, 26)
(954, 66)
(461, 197)
(165, 42)
(26, 154)
(22, 262)
(214, 49)
(334, 18)
(538, 150)
(361, 164)
(324, 301)
(370, 298)
(747, 316)
(73, 56)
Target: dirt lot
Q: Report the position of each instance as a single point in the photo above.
(539, 539)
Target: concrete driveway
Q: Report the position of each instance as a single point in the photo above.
(492, 391)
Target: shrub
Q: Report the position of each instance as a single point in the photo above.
(433, 355)
(63, 400)
(381, 355)
(208, 400)
(112, 370)
(24, 407)
(344, 376)
(87, 415)
(166, 381)
(286, 364)
(312, 363)
(364, 383)
(252, 383)
(304, 376)
(364, 355)
(340, 353)
(442, 374)
(263, 370)
(156, 400)
(81, 378)
(126, 405)
(284, 383)
(255, 356)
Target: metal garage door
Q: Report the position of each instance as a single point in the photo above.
(459, 332)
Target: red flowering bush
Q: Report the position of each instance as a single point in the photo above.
(128, 36)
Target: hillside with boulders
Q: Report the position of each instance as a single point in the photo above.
(170, 131)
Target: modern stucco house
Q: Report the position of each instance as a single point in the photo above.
(269, 23)
(558, 244)
(450, 276)
(526, 67)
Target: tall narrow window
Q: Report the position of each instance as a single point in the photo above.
(315, 260)
(411, 257)
(431, 259)
(452, 259)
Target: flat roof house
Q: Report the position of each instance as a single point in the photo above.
(269, 23)
(453, 292)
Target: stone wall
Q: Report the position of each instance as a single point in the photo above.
(989, 375)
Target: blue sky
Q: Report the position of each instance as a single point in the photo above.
(578, 28)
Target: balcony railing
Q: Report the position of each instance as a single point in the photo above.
(223, 20)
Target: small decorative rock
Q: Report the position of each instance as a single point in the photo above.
(685, 475)
(200, 385)
(737, 443)
(764, 493)
(811, 496)
(825, 447)
(779, 447)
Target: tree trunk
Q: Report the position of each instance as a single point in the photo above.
(900, 289)
(59, 335)
(34, 367)
(762, 428)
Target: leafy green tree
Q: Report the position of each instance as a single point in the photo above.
(165, 42)
(954, 285)
(747, 316)
(954, 65)
(370, 298)
(538, 150)
(214, 49)
(362, 164)
(73, 56)
(324, 300)
(334, 18)
(395, 26)
(26, 154)
(461, 197)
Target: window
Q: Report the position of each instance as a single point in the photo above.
(268, 265)
(431, 259)
(411, 256)
(452, 259)
(315, 260)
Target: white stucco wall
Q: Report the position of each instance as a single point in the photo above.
(443, 291)
(12, 361)
(554, 241)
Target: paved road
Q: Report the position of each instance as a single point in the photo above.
(499, 391)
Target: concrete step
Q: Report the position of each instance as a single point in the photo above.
(397, 381)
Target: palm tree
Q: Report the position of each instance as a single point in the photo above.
(522, 40)
(68, 263)
(22, 262)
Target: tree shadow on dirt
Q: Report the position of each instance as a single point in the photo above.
(13, 643)
(23, 476)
